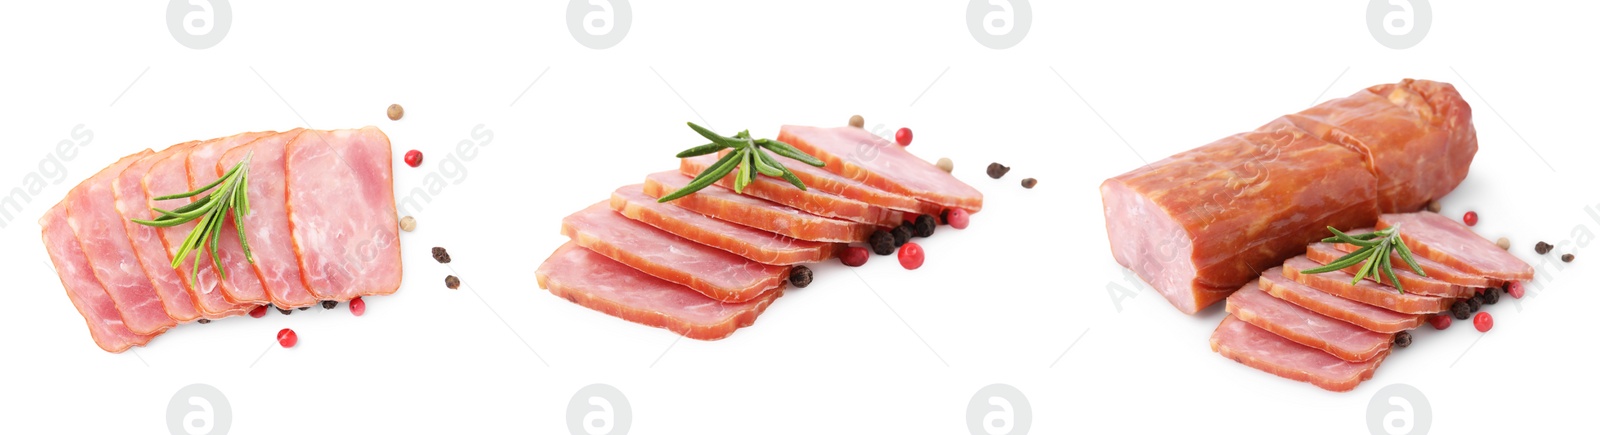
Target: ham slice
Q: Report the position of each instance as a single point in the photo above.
(134, 203)
(1198, 225)
(726, 205)
(99, 311)
(751, 243)
(342, 212)
(604, 285)
(1435, 270)
(717, 274)
(821, 180)
(1367, 292)
(1324, 253)
(1338, 338)
(812, 201)
(169, 176)
(1366, 316)
(1446, 241)
(268, 222)
(91, 212)
(862, 156)
(1262, 350)
(239, 280)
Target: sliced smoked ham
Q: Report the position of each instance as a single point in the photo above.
(1366, 316)
(724, 204)
(717, 274)
(1263, 350)
(822, 180)
(812, 201)
(751, 243)
(862, 156)
(1338, 338)
(267, 224)
(1365, 291)
(1201, 223)
(1324, 253)
(1435, 270)
(98, 310)
(134, 203)
(602, 284)
(169, 176)
(1446, 241)
(239, 280)
(342, 214)
(91, 212)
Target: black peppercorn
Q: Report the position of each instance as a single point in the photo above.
(1491, 295)
(800, 276)
(1028, 183)
(1402, 339)
(203, 321)
(925, 226)
(1542, 248)
(1474, 303)
(1568, 258)
(944, 217)
(902, 234)
(1460, 310)
(304, 308)
(328, 305)
(440, 255)
(997, 170)
(452, 282)
(882, 242)
(284, 311)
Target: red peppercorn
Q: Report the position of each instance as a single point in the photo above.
(911, 256)
(1440, 321)
(1515, 289)
(958, 218)
(854, 256)
(287, 338)
(259, 311)
(1471, 218)
(358, 307)
(414, 158)
(903, 137)
(1483, 321)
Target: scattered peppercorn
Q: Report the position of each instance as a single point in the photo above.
(1514, 288)
(800, 276)
(1471, 218)
(857, 121)
(396, 112)
(946, 165)
(1483, 321)
(452, 282)
(1028, 183)
(1475, 303)
(957, 218)
(414, 158)
(903, 136)
(328, 305)
(287, 338)
(408, 224)
(1402, 339)
(902, 234)
(997, 170)
(1434, 206)
(1491, 296)
(1439, 321)
(1542, 248)
(925, 226)
(259, 311)
(440, 255)
(1568, 258)
(1503, 243)
(358, 306)
(854, 256)
(283, 311)
(882, 242)
(911, 256)
(203, 321)
(1460, 310)
(304, 308)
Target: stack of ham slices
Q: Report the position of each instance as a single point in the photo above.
(1320, 328)
(709, 263)
(321, 227)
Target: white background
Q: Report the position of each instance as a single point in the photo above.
(1019, 298)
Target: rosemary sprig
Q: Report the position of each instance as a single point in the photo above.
(749, 157)
(1375, 254)
(229, 194)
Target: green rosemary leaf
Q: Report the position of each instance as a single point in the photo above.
(702, 150)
